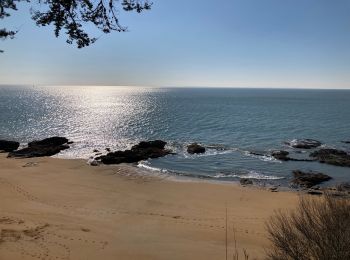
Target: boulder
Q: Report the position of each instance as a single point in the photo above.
(304, 143)
(8, 146)
(280, 155)
(142, 151)
(332, 156)
(195, 148)
(346, 142)
(309, 179)
(246, 181)
(46, 147)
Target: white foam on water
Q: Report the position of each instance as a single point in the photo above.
(209, 152)
(265, 158)
(249, 175)
(144, 165)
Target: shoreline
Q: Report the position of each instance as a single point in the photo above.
(111, 212)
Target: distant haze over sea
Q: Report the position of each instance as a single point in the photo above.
(229, 122)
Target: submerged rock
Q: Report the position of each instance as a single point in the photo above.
(332, 156)
(46, 147)
(309, 179)
(304, 143)
(8, 146)
(142, 151)
(195, 148)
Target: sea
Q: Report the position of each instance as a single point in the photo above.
(230, 122)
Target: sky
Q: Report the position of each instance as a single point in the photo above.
(226, 43)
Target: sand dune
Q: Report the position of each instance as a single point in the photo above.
(64, 209)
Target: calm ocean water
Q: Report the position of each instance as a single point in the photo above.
(230, 121)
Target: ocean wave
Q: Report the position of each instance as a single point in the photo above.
(265, 158)
(248, 175)
(145, 165)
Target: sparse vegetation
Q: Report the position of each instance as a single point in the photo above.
(319, 229)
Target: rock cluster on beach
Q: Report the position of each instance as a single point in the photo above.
(142, 151)
(8, 146)
(246, 181)
(309, 179)
(46, 147)
(195, 148)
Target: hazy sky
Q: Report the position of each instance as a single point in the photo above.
(238, 43)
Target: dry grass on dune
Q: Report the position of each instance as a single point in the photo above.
(318, 229)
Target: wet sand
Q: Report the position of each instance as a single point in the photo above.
(65, 209)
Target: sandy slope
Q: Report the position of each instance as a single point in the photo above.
(65, 209)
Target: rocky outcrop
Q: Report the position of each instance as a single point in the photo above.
(142, 151)
(346, 142)
(46, 147)
(195, 148)
(283, 156)
(8, 146)
(309, 179)
(304, 143)
(332, 156)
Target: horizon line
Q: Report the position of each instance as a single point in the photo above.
(174, 86)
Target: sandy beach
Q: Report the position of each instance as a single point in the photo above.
(65, 209)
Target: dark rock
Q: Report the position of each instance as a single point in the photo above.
(273, 189)
(346, 142)
(309, 179)
(246, 181)
(8, 146)
(332, 156)
(108, 149)
(283, 156)
(49, 142)
(94, 163)
(95, 151)
(159, 144)
(195, 148)
(280, 155)
(141, 151)
(70, 142)
(46, 147)
(304, 143)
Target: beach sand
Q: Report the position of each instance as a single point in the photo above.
(65, 209)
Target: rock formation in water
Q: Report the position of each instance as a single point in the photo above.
(46, 147)
(309, 179)
(142, 151)
(332, 156)
(195, 148)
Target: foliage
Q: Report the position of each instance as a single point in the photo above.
(72, 16)
(317, 229)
